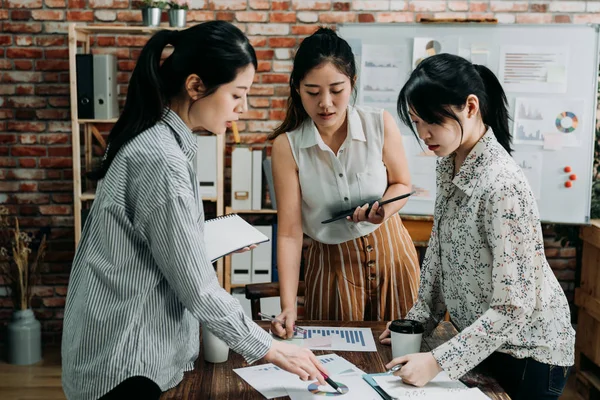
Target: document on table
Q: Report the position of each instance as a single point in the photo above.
(439, 388)
(271, 381)
(334, 339)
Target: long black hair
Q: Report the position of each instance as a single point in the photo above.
(445, 80)
(215, 51)
(322, 46)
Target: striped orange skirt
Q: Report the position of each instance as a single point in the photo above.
(371, 278)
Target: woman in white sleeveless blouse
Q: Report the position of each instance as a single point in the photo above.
(332, 157)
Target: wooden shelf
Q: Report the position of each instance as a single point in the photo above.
(88, 195)
(112, 29)
(238, 285)
(229, 210)
(97, 121)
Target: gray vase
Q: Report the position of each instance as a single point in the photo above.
(177, 18)
(151, 16)
(24, 338)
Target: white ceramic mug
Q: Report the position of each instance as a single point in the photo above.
(214, 349)
(406, 336)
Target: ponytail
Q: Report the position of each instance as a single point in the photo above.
(215, 51)
(494, 111)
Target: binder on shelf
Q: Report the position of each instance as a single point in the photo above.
(257, 174)
(206, 165)
(84, 73)
(268, 305)
(241, 267)
(106, 104)
(261, 257)
(241, 178)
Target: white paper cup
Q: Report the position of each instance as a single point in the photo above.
(406, 337)
(214, 349)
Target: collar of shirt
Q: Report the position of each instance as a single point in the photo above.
(471, 170)
(311, 136)
(183, 133)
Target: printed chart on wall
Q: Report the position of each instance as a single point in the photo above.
(421, 163)
(383, 71)
(551, 123)
(328, 338)
(539, 69)
(531, 164)
(271, 381)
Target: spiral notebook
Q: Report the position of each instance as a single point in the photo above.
(228, 233)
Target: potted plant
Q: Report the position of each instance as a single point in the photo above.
(19, 266)
(178, 13)
(152, 11)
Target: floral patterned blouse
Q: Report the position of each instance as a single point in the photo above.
(486, 266)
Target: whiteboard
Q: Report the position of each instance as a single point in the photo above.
(549, 74)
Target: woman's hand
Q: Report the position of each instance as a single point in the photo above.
(417, 369)
(288, 317)
(384, 338)
(296, 360)
(245, 249)
(375, 216)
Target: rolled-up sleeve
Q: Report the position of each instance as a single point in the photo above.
(511, 240)
(176, 241)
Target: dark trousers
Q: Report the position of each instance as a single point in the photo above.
(526, 379)
(137, 387)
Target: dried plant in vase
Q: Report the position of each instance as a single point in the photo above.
(17, 266)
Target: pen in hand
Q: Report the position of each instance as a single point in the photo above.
(395, 368)
(332, 383)
(272, 318)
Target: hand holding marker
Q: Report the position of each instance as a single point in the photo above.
(297, 329)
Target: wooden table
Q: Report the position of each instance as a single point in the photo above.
(219, 381)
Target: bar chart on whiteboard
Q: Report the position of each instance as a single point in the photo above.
(334, 338)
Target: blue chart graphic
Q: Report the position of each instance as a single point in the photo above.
(350, 336)
(314, 389)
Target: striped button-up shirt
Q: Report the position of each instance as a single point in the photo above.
(141, 280)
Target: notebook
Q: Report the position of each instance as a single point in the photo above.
(228, 233)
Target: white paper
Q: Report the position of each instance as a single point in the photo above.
(536, 117)
(271, 381)
(226, 234)
(531, 164)
(425, 47)
(352, 385)
(334, 338)
(553, 141)
(422, 165)
(534, 69)
(441, 388)
(384, 69)
(480, 54)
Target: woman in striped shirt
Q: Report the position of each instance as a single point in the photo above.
(141, 280)
(329, 156)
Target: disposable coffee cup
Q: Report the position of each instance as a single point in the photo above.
(406, 336)
(214, 349)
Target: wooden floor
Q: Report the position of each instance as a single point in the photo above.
(42, 381)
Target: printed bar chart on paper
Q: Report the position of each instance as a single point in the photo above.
(333, 338)
(271, 381)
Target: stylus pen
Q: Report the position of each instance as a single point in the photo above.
(297, 329)
(332, 383)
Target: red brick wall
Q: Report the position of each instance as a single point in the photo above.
(35, 152)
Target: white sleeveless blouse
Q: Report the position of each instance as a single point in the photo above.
(331, 183)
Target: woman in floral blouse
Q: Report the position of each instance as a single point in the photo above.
(485, 263)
